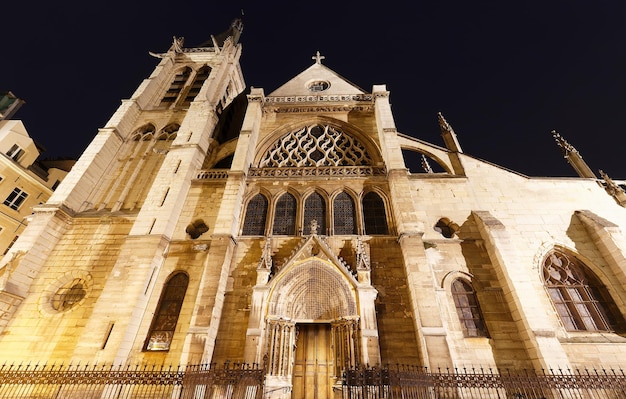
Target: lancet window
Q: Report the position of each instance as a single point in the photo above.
(374, 214)
(468, 310)
(315, 209)
(291, 216)
(581, 300)
(198, 81)
(176, 87)
(344, 214)
(166, 316)
(256, 215)
(285, 215)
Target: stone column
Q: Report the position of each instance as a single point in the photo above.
(345, 338)
(281, 340)
(281, 350)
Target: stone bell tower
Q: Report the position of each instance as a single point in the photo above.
(101, 239)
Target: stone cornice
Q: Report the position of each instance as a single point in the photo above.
(319, 103)
(328, 171)
(319, 108)
(199, 50)
(318, 99)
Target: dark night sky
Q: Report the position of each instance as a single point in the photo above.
(504, 74)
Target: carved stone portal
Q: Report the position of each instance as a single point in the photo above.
(306, 323)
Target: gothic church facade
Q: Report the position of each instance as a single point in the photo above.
(206, 224)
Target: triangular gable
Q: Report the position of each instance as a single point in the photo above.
(313, 285)
(314, 78)
(315, 247)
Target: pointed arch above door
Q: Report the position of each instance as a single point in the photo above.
(312, 291)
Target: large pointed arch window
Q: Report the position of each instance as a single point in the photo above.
(581, 300)
(344, 221)
(467, 309)
(315, 209)
(374, 214)
(285, 215)
(256, 214)
(166, 316)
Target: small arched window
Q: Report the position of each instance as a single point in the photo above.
(256, 214)
(344, 214)
(468, 309)
(374, 214)
(581, 300)
(285, 215)
(315, 209)
(166, 316)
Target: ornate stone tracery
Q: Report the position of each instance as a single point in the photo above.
(314, 146)
(312, 292)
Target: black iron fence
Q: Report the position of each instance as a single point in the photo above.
(413, 382)
(138, 382)
(244, 381)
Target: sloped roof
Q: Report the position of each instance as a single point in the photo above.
(314, 80)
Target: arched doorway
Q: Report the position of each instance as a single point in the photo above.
(312, 328)
(311, 320)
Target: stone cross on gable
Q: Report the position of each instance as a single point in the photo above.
(318, 58)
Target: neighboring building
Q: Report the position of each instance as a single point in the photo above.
(25, 180)
(207, 224)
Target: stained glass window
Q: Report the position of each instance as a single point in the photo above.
(374, 214)
(285, 215)
(344, 214)
(582, 302)
(468, 310)
(166, 316)
(315, 209)
(256, 214)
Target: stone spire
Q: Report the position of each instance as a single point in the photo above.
(449, 137)
(426, 164)
(573, 157)
(614, 189)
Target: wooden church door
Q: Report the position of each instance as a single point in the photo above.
(313, 366)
